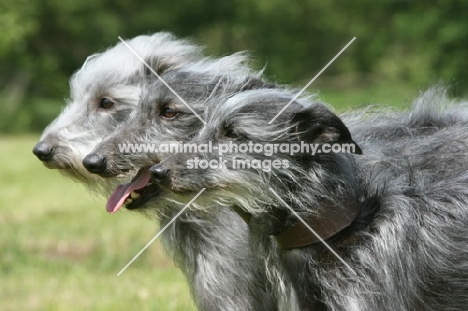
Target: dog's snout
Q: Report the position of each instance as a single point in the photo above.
(95, 163)
(158, 173)
(44, 151)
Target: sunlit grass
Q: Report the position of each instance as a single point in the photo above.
(60, 250)
(348, 92)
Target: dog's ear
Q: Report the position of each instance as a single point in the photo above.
(158, 64)
(320, 125)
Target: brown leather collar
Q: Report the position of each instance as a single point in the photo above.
(331, 221)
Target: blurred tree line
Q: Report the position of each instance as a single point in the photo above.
(413, 42)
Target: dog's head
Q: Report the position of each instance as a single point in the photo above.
(162, 120)
(254, 154)
(103, 93)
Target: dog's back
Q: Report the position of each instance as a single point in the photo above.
(407, 248)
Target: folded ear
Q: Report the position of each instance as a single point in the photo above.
(320, 125)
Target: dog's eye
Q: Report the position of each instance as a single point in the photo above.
(169, 113)
(106, 103)
(231, 134)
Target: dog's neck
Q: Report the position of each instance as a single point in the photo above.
(332, 220)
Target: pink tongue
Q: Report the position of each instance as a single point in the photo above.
(121, 193)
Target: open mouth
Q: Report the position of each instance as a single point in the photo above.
(134, 194)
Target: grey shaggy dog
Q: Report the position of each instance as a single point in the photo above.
(104, 92)
(211, 247)
(407, 247)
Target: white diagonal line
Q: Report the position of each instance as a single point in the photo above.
(313, 231)
(160, 232)
(313, 79)
(162, 80)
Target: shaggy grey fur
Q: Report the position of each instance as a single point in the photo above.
(116, 75)
(212, 247)
(430, 112)
(409, 243)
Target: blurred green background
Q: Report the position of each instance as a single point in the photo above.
(402, 45)
(59, 249)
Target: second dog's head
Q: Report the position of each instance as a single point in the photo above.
(252, 154)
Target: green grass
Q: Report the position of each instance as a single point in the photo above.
(60, 250)
(343, 99)
(345, 92)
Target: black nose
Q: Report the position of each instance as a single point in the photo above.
(43, 151)
(158, 173)
(95, 163)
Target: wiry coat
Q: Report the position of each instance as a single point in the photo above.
(117, 75)
(210, 247)
(408, 246)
